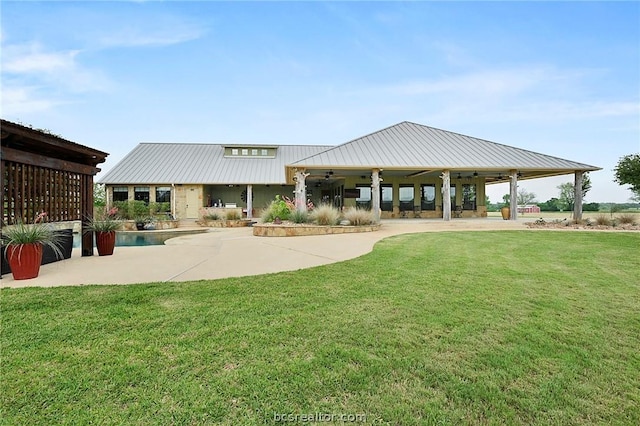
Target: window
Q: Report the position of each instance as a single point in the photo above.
(363, 200)
(245, 151)
(386, 198)
(254, 152)
(120, 193)
(452, 193)
(406, 198)
(234, 151)
(163, 194)
(141, 193)
(428, 197)
(469, 197)
(265, 152)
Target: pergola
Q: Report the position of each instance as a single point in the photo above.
(44, 172)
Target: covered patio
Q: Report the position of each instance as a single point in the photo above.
(408, 169)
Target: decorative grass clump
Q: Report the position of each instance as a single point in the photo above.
(359, 217)
(626, 219)
(233, 215)
(212, 216)
(602, 220)
(325, 215)
(298, 216)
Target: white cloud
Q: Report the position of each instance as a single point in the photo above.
(24, 100)
(35, 79)
(168, 33)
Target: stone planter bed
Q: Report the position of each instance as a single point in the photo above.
(224, 223)
(565, 224)
(295, 229)
(130, 225)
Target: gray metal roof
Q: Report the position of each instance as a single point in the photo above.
(403, 147)
(413, 146)
(157, 163)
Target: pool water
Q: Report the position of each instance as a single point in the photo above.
(142, 238)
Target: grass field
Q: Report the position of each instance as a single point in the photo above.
(522, 327)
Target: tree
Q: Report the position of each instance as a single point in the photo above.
(566, 197)
(567, 192)
(99, 195)
(525, 197)
(550, 205)
(627, 172)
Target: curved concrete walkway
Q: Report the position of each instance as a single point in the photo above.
(232, 252)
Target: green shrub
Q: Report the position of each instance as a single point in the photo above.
(212, 216)
(277, 208)
(131, 209)
(325, 215)
(298, 216)
(359, 217)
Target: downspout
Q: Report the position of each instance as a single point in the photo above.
(173, 201)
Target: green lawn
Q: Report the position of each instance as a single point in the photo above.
(522, 327)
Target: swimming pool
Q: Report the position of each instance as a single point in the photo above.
(142, 238)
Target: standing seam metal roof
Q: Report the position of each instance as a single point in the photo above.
(153, 163)
(411, 145)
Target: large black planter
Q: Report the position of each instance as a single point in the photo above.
(65, 237)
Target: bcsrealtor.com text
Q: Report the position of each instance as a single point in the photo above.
(319, 418)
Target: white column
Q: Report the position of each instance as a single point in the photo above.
(375, 193)
(249, 201)
(446, 195)
(513, 194)
(301, 190)
(577, 196)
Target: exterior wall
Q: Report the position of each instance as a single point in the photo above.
(208, 195)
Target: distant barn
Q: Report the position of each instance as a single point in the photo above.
(529, 208)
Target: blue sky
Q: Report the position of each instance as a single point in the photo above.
(561, 78)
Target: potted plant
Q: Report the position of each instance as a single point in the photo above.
(104, 227)
(24, 246)
(506, 212)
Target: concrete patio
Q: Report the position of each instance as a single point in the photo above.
(233, 252)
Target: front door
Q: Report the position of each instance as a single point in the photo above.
(193, 203)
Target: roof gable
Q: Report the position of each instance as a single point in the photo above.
(409, 145)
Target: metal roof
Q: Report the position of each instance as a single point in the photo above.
(404, 147)
(414, 146)
(156, 163)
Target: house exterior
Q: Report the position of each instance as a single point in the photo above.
(406, 170)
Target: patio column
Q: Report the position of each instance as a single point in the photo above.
(375, 193)
(301, 190)
(513, 193)
(249, 201)
(446, 195)
(577, 196)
